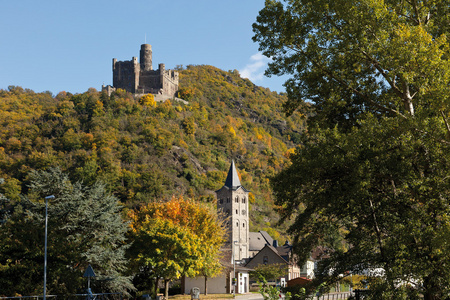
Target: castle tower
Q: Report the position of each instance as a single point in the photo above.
(146, 57)
(232, 202)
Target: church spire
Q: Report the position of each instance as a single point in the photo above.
(232, 180)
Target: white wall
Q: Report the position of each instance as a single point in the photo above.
(243, 283)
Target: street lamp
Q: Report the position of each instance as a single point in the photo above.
(234, 270)
(45, 247)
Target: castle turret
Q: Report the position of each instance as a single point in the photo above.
(232, 202)
(146, 57)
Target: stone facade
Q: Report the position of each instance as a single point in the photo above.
(140, 78)
(232, 203)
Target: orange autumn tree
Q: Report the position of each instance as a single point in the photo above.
(175, 238)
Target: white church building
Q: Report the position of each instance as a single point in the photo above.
(243, 250)
(232, 203)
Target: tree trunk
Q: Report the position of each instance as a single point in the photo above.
(206, 285)
(156, 286)
(166, 288)
(431, 291)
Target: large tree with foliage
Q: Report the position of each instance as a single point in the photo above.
(370, 179)
(175, 238)
(84, 227)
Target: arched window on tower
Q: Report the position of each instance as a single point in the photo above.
(243, 200)
(228, 200)
(236, 200)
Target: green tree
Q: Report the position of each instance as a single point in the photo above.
(84, 227)
(268, 272)
(165, 249)
(370, 179)
(351, 57)
(211, 265)
(175, 238)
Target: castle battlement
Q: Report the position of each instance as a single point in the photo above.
(140, 78)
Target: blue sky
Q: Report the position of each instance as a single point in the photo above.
(68, 45)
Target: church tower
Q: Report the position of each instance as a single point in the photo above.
(232, 203)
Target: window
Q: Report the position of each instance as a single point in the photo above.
(243, 212)
(237, 224)
(243, 225)
(243, 200)
(221, 201)
(236, 211)
(236, 200)
(228, 211)
(228, 200)
(265, 260)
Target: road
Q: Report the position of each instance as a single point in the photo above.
(250, 296)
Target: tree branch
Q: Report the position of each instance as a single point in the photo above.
(377, 229)
(446, 123)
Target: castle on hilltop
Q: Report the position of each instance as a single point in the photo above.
(140, 78)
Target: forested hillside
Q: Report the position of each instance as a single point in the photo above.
(145, 150)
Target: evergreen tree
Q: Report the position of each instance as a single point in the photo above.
(84, 227)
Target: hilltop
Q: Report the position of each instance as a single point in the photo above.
(146, 150)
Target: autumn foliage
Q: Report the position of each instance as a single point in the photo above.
(175, 238)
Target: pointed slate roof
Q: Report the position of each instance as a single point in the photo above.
(232, 182)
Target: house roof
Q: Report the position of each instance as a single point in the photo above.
(226, 260)
(298, 281)
(319, 253)
(285, 251)
(267, 237)
(263, 252)
(258, 240)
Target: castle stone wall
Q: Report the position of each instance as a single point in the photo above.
(140, 78)
(126, 74)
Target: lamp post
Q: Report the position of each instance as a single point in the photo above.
(45, 247)
(234, 270)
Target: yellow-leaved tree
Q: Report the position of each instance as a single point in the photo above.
(175, 238)
(148, 100)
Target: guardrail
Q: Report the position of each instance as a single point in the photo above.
(335, 296)
(102, 296)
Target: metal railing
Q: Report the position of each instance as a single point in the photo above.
(335, 296)
(101, 296)
(28, 297)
